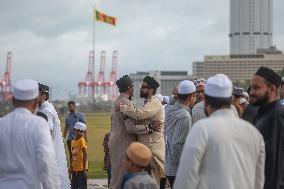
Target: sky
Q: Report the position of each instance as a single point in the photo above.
(51, 39)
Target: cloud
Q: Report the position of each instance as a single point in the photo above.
(51, 40)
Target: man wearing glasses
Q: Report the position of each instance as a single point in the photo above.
(151, 111)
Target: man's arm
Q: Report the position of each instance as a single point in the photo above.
(131, 127)
(65, 128)
(259, 172)
(147, 111)
(179, 136)
(85, 159)
(192, 154)
(46, 159)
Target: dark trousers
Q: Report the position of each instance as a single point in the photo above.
(108, 176)
(79, 180)
(69, 150)
(163, 183)
(171, 180)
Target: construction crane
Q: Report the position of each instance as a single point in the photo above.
(100, 88)
(5, 83)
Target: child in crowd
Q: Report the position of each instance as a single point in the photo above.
(138, 157)
(79, 165)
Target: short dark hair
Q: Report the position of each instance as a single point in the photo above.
(124, 83)
(183, 97)
(71, 102)
(218, 103)
(152, 83)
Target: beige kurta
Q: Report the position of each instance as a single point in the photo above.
(151, 111)
(118, 142)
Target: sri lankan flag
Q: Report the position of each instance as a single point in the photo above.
(102, 17)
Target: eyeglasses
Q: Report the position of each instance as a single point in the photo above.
(144, 87)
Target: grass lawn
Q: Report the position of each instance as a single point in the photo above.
(98, 125)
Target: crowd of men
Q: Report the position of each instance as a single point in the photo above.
(208, 135)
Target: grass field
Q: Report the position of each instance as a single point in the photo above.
(97, 126)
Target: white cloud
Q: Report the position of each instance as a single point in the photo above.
(51, 40)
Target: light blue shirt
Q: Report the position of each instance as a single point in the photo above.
(70, 120)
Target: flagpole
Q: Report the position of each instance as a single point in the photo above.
(94, 55)
(94, 29)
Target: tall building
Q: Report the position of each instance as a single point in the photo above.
(167, 79)
(250, 25)
(250, 43)
(239, 67)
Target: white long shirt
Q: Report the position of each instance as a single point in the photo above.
(54, 124)
(27, 157)
(222, 152)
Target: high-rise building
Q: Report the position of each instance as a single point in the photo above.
(250, 43)
(239, 67)
(250, 26)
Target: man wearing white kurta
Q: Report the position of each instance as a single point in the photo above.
(54, 124)
(26, 151)
(221, 151)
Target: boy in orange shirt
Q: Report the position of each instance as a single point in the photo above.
(79, 165)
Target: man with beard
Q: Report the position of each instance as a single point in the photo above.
(119, 139)
(282, 91)
(270, 122)
(221, 151)
(200, 85)
(54, 125)
(151, 111)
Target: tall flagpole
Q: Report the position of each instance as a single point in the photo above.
(94, 56)
(94, 21)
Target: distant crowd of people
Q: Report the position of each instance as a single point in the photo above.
(208, 135)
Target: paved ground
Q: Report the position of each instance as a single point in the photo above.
(97, 184)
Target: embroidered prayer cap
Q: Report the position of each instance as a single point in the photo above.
(186, 87)
(25, 89)
(269, 75)
(43, 88)
(81, 126)
(139, 154)
(200, 81)
(219, 86)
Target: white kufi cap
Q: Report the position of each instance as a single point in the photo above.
(166, 99)
(26, 89)
(186, 87)
(219, 86)
(81, 126)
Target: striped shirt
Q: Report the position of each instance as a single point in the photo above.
(198, 112)
(177, 124)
